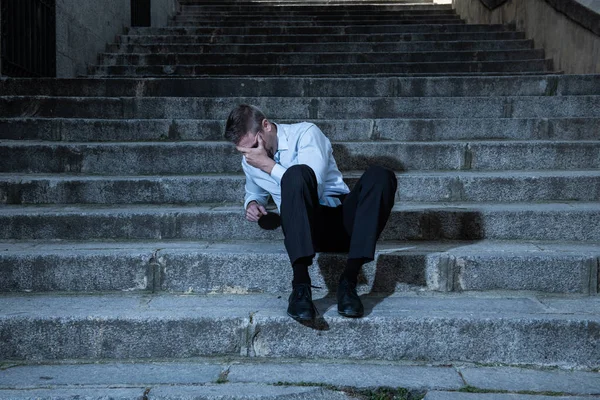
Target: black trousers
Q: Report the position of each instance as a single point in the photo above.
(352, 227)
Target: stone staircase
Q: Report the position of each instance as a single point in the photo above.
(122, 230)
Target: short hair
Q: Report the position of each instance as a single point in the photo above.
(243, 119)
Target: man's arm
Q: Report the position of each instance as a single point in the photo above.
(253, 191)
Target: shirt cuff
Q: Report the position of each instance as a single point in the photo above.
(277, 173)
(250, 200)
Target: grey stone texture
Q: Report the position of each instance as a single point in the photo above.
(241, 268)
(437, 395)
(570, 221)
(431, 328)
(518, 379)
(84, 27)
(551, 24)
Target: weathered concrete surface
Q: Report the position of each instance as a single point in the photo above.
(430, 187)
(349, 375)
(185, 158)
(434, 328)
(303, 107)
(497, 396)
(576, 221)
(240, 378)
(182, 392)
(84, 27)
(518, 379)
(241, 267)
(415, 130)
(573, 48)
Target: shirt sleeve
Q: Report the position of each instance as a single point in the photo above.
(314, 150)
(253, 191)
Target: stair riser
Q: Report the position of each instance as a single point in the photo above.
(300, 21)
(208, 272)
(416, 130)
(267, 39)
(282, 12)
(292, 58)
(442, 338)
(458, 224)
(551, 85)
(327, 69)
(489, 45)
(303, 108)
(196, 190)
(324, 29)
(313, 9)
(195, 158)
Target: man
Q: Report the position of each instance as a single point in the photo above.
(294, 164)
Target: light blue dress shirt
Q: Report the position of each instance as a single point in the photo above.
(301, 143)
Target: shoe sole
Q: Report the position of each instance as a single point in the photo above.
(347, 315)
(296, 318)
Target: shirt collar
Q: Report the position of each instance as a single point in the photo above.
(282, 143)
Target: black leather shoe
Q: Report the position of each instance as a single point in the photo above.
(301, 307)
(349, 304)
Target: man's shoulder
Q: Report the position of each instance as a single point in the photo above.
(297, 130)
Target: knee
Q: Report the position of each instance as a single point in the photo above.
(298, 176)
(382, 176)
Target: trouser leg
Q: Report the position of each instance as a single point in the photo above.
(366, 210)
(299, 211)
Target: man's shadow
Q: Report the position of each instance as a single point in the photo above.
(403, 266)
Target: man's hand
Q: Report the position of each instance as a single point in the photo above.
(257, 156)
(254, 211)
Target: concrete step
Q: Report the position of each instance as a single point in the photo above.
(431, 187)
(224, 23)
(314, 39)
(302, 107)
(333, 69)
(264, 267)
(570, 221)
(414, 6)
(214, 391)
(326, 29)
(156, 158)
(414, 130)
(314, 7)
(480, 86)
(517, 330)
(323, 47)
(260, 11)
(317, 21)
(247, 378)
(115, 59)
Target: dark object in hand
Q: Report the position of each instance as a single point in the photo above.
(270, 221)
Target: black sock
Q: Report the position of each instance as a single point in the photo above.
(353, 269)
(300, 268)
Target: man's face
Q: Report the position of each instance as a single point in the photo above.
(250, 140)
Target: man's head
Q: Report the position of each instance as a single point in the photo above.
(246, 123)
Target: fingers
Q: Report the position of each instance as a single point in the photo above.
(261, 143)
(244, 150)
(254, 212)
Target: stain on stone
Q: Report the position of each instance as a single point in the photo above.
(174, 133)
(313, 109)
(457, 190)
(70, 159)
(467, 158)
(551, 86)
(507, 111)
